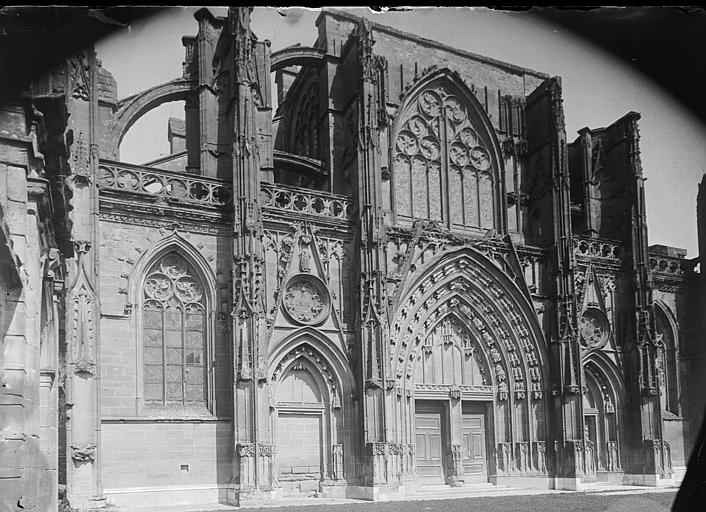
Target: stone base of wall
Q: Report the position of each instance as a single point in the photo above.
(613, 477)
(527, 482)
(573, 484)
(653, 480)
(251, 498)
(167, 496)
(373, 492)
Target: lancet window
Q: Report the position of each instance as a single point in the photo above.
(174, 334)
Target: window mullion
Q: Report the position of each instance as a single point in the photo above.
(164, 357)
(444, 160)
(183, 356)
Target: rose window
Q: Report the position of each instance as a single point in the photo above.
(306, 300)
(594, 328)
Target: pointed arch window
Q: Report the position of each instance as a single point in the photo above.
(442, 167)
(667, 362)
(174, 334)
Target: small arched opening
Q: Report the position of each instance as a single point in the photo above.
(667, 359)
(308, 424)
(603, 418)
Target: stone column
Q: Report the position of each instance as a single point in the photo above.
(82, 325)
(254, 466)
(52, 288)
(568, 370)
(373, 330)
(651, 460)
(455, 469)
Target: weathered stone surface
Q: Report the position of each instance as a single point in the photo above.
(355, 296)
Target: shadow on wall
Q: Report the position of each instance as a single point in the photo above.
(692, 493)
(23, 475)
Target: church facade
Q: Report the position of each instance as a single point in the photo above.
(405, 274)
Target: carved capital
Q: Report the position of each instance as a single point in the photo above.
(265, 450)
(82, 247)
(455, 392)
(84, 364)
(245, 449)
(83, 453)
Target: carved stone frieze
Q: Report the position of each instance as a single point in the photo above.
(199, 224)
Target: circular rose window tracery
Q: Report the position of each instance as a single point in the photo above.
(594, 328)
(306, 300)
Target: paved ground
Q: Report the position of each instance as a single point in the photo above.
(633, 499)
(574, 502)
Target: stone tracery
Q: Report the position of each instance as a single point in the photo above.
(437, 138)
(174, 333)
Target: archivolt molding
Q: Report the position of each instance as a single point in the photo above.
(491, 307)
(604, 366)
(672, 323)
(309, 339)
(324, 372)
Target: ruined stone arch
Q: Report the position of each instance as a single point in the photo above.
(446, 161)
(296, 56)
(199, 270)
(134, 107)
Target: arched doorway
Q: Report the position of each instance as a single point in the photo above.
(307, 421)
(602, 419)
(469, 358)
(448, 360)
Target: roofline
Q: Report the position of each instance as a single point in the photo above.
(432, 43)
(630, 115)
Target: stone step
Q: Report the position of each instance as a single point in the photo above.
(441, 490)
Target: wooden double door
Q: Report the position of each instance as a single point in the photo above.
(433, 443)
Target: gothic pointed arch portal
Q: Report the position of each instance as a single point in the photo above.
(446, 159)
(604, 422)
(466, 337)
(311, 413)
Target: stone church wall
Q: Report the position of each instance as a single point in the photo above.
(190, 456)
(340, 341)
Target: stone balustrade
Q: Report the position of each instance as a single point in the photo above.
(666, 265)
(168, 186)
(181, 188)
(596, 248)
(282, 198)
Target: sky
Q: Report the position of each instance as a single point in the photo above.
(598, 89)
